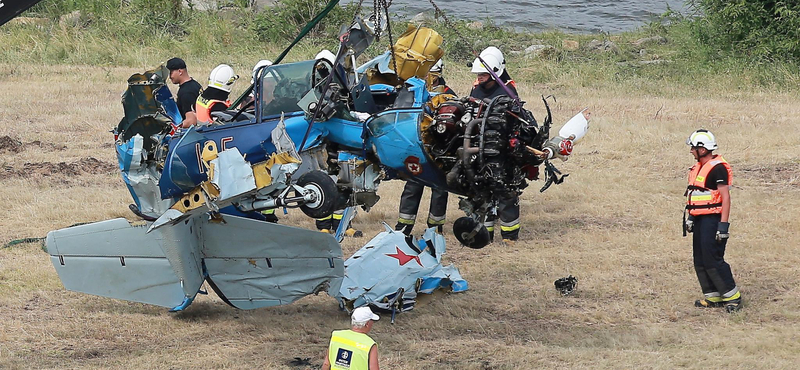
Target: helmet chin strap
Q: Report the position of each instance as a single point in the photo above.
(707, 153)
(485, 84)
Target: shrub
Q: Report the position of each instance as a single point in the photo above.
(285, 19)
(763, 30)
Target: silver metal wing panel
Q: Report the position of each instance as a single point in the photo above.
(114, 259)
(257, 264)
(250, 263)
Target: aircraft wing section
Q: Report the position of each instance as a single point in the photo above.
(253, 264)
(117, 260)
(249, 263)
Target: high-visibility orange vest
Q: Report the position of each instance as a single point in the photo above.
(699, 199)
(203, 108)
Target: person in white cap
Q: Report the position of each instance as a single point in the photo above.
(353, 349)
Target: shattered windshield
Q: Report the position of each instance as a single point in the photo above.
(283, 86)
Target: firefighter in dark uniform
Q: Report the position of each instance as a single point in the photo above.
(329, 224)
(709, 204)
(485, 87)
(412, 192)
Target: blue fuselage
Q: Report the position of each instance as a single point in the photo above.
(392, 135)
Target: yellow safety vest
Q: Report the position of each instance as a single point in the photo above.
(349, 350)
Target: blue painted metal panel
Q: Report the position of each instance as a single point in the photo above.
(182, 169)
(396, 138)
(164, 97)
(421, 94)
(343, 132)
(124, 158)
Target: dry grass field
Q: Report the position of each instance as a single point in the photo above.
(614, 224)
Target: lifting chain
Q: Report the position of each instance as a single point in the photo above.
(382, 6)
(378, 7)
(358, 10)
(389, 30)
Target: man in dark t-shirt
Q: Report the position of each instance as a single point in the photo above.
(188, 91)
(717, 176)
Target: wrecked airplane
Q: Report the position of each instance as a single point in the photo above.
(319, 136)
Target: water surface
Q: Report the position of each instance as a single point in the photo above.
(582, 16)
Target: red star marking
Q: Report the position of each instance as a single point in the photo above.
(404, 258)
(413, 166)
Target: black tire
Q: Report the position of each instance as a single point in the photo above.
(325, 189)
(464, 226)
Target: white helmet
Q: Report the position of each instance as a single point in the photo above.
(327, 55)
(494, 60)
(703, 138)
(222, 78)
(437, 68)
(261, 63)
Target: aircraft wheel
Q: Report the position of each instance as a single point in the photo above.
(324, 190)
(464, 226)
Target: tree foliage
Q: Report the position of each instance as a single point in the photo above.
(760, 29)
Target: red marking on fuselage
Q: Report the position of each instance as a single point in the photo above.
(404, 258)
(223, 143)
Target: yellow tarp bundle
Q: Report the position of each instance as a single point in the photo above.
(416, 51)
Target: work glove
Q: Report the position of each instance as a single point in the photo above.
(690, 224)
(722, 232)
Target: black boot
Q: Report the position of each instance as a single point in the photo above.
(732, 303)
(404, 228)
(714, 302)
(439, 228)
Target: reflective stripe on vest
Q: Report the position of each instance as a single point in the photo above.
(701, 200)
(349, 350)
(203, 108)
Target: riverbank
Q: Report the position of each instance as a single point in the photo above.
(645, 58)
